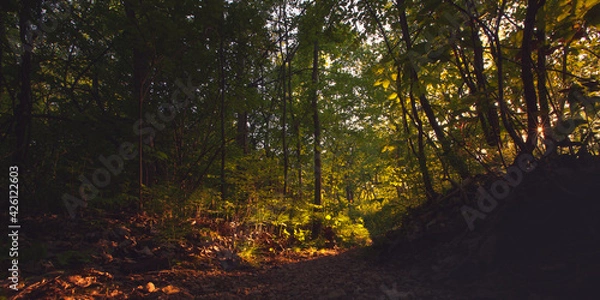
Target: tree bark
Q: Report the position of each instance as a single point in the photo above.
(420, 153)
(421, 156)
(141, 84)
(242, 115)
(284, 97)
(222, 87)
(499, 60)
(299, 197)
(24, 109)
(488, 114)
(242, 131)
(527, 74)
(456, 162)
(541, 71)
(317, 224)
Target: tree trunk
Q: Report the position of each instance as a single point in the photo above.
(458, 164)
(242, 131)
(499, 60)
(222, 87)
(242, 115)
(420, 153)
(24, 108)
(541, 71)
(421, 157)
(527, 75)
(284, 113)
(141, 85)
(488, 115)
(317, 224)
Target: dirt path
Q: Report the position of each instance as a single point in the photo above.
(343, 276)
(123, 257)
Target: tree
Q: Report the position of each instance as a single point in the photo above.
(296, 113)
(23, 111)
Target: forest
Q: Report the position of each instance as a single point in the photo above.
(300, 149)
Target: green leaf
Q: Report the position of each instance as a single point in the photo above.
(161, 155)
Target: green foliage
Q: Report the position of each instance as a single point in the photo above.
(249, 253)
(241, 148)
(173, 230)
(349, 231)
(388, 217)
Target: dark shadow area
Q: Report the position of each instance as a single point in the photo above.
(540, 242)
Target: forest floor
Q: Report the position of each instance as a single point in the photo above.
(540, 242)
(125, 260)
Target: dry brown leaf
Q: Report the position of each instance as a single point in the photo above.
(80, 281)
(150, 287)
(101, 273)
(170, 290)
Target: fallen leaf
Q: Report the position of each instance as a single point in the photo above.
(150, 287)
(170, 290)
(81, 281)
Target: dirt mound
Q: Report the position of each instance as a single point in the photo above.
(531, 235)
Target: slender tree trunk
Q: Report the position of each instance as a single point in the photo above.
(296, 132)
(24, 108)
(284, 120)
(140, 85)
(499, 60)
(242, 131)
(241, 137)
(527, 75)
(458, 164)
(541, 70)
(267, 142)
(299, 197)
(299, 162)
(222, 84)
(420, 153)
(421, 157)
(288, 106)
(242, 113)
(488, 114)
(317, 224)
(286, 156)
